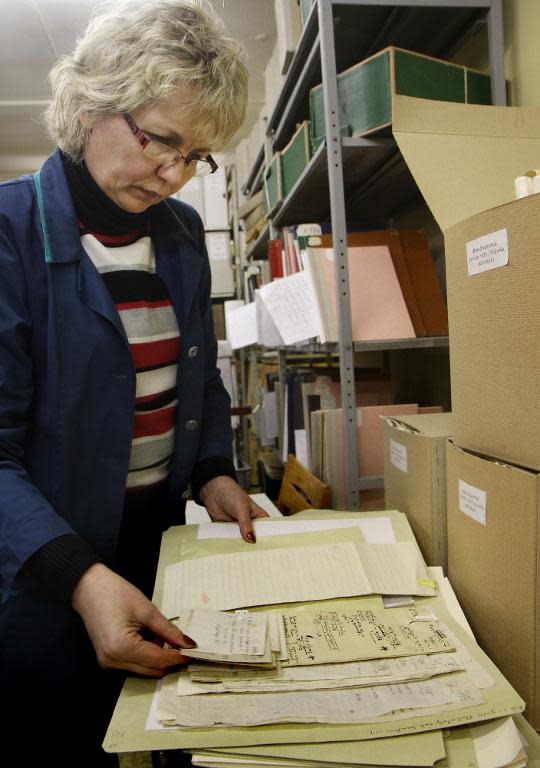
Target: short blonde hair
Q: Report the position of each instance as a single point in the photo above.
(138, 52)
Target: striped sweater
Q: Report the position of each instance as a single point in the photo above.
(127, 264)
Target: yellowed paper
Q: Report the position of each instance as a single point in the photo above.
(264, 577)
(342, 706)
(216, 673)
(241, 634)
(327, 635)
(295, 574)
(324, 676)
(391, 568)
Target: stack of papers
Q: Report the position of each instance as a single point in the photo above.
(502, 743)
(241, 638)
(331, 661)
(351, 665)
(299, 662)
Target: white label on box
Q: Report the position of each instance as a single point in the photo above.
(218, 245)
(398, 455)
(487, 252)
(472, 502)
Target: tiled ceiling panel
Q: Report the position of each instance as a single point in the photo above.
(33, 33)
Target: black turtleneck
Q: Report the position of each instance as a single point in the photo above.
(93, 207)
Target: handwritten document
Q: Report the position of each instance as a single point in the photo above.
(354, 705)
(321, 676)
(290, 304)
(323, 636)
(295, 574)
(264, 577)
(226, 634)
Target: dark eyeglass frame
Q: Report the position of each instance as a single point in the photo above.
(144, 140)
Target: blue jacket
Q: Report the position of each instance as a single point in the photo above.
(67, 382)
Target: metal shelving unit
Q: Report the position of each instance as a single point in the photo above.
(258, 249)
(382, 345)
(370, 174)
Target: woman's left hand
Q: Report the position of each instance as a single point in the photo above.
(226, 501)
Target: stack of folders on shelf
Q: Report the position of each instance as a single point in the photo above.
(394, 288)
(254, 218)
(307, 392)
(308, 651)
(327, 448)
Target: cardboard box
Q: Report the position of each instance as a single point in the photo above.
(366, 90)
(273, 185)
(415, 477)
(493, 274)
(295, 157)
(493, 545)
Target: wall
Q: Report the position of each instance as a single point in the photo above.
(522, 52)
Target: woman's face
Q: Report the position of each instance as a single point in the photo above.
(124, 171)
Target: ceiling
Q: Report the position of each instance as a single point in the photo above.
(34, 33)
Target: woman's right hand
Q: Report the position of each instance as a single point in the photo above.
(116, 614)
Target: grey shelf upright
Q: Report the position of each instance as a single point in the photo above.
(368, 172)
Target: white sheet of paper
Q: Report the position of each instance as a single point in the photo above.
(242, 326)
(496, 743)
(197, 514)
(290, 302)
(375, 530)
(267, 332)
(397, 601)
(270, 415)
(301, 447)
(229, 306)
(449, 597)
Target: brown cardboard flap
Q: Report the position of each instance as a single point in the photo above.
(464, 157)
(427, 424)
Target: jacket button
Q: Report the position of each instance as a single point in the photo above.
(191, 425)
(193, 351)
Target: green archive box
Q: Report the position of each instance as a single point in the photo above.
(273, 185)
(294, 157)
(365, 90)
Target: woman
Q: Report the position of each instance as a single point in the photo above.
(111, 404)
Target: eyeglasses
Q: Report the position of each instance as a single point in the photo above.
(162, 153)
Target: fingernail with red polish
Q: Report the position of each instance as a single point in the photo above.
(250, 536)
